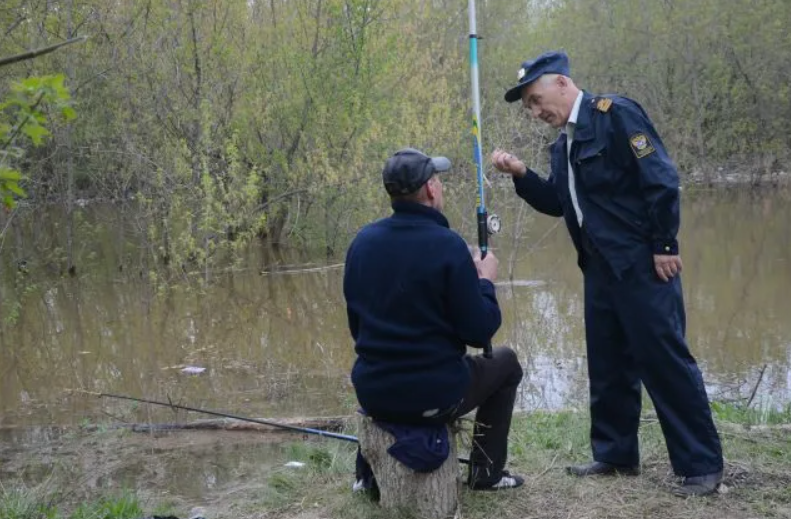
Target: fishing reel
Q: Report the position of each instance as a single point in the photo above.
(493, 224)
(488, 224)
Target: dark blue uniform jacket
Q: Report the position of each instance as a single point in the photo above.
(414, 303)
(626, 184)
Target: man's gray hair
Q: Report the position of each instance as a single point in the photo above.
(546, 79)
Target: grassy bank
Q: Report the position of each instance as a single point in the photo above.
(42, 503)
(757, 480)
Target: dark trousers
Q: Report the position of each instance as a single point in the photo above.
(493, 392)
(635, 329)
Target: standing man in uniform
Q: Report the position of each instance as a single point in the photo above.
(613, 182)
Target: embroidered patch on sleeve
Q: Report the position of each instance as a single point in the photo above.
(641, 146)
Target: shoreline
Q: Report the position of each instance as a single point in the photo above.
(261, 480)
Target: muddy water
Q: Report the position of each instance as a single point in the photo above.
(273, 342)
(184, 469)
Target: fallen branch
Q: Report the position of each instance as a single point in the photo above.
(334, 423)
(301, 271)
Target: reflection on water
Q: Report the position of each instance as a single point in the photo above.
(278, 345)
(188, 465)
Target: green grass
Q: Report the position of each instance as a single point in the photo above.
(19, 503)
(541, 445)
(741, 414)
(39, 503)
(123, 506)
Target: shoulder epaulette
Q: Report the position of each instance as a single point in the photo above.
(604, 104)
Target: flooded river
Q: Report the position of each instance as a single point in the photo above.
(270, 339)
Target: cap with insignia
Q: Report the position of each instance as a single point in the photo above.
(553, 62)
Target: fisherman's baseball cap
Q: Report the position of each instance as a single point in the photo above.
(408, 169)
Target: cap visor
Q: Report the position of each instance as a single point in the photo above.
(515, 94)
(441, 164)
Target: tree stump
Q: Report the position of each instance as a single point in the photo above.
(432, 495)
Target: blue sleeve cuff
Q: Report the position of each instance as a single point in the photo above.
(487, 287)
(521, 182)
(666, 247)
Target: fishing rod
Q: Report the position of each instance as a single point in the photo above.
(307, 430)
(487, 223)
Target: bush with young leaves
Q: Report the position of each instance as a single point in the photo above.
(24, 115)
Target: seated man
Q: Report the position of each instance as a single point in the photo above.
(416, 298)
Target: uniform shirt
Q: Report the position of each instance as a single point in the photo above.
(570, 124)
(626, 184)
(414, 302)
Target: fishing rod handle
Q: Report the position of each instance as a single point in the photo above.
(483, 234)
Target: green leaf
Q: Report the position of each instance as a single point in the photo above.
(34, 82)
(69, 113)
(10, 175)
(30, 84)
(61, 92)
(35, 132)
(14, 188)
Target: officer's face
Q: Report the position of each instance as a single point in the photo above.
(547, 99)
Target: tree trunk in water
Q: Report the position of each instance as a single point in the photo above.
(432, 495)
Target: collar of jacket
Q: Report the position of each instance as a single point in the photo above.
(414, 210)
(584, 131)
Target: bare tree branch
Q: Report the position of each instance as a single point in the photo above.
(39, 52)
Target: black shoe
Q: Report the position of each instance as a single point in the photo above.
(600, 468)
(506, 481)
(699, 485)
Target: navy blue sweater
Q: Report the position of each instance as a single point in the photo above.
(414, 303)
